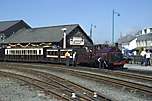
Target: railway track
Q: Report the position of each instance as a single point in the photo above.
(110, 78)
(135, 87)
(48, 82)
(131, 76)
(136, 77)
(36, 83)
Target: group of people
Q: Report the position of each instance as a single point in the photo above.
(74, 58)
(146, 55)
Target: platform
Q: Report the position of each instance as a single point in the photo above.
(139, 69)
(137, 66)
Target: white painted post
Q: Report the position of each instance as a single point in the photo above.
(73, 95)
(64, 37)
(95, 95)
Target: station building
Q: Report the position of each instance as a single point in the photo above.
(23, 36)
(7, 28)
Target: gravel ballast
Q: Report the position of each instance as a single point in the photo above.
(15, 90)
(108, 90)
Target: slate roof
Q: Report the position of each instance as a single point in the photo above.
(126, 39)
(144, 37)
(4, 25)
(42, 34)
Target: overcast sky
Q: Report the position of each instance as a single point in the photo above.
(134, 14)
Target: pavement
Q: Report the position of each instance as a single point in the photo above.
(138, 67)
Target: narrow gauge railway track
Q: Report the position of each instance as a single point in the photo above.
(141, 78)
(146, 89)
(131, 76)
(134, 76)
(36, 83)
(82, 93)
(133, 86)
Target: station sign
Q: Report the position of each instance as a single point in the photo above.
(77, 41)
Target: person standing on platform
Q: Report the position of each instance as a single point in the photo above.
(148, 55)
(74, 58)
(67, 56)
(143, 57)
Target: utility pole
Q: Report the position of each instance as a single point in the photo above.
(113, 24)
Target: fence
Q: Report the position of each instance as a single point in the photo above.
(137, 59)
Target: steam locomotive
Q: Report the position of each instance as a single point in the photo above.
(111, 55)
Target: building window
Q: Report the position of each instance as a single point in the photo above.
(146, 42)
(2, 36)
(150, 30)
(145, 31)
(142, 43)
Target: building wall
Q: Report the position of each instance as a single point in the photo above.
(144, 43)
(145, 31)
(133, 44)
(130, 45)
(78, 33)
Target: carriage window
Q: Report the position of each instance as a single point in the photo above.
(7, 52)
(12, 52)
(18, 52)
(49, 53)
(23, 52)
(28, 52)
(62, 53)
(34, 51)
(39, 51)
(55, 53)
(31, 51)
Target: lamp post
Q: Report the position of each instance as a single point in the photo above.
(64, 37)
(113, 18)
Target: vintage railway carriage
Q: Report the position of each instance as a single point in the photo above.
(58, 55)
(47, 55)
(24, 54)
